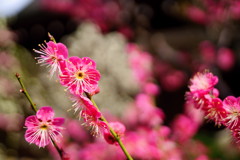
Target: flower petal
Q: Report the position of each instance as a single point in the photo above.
(45, 113)
(58, 121)
(31, 121)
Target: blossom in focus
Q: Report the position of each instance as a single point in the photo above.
(203, 82)
(215, 111)
(80, 75)
(119, 129)
(92, 120)
(81, 103)
(202, 89)
(232, 107)
(52, 55)
(43, 127)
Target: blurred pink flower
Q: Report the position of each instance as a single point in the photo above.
(147, 113)
(225, 59)
(208, 52)
(80, 75)
(75, 130)
(172, 80)
(151, 89)
(183, 128)
(196, 14)
(141, 63)
(43, 127)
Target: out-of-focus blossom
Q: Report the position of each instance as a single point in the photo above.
(75, 130)
(100, 150)
(148, 114)
(197, 116)
(211, 12)
(43, 127)
(196, 14)
(208, 52)
(140, 63)
(11, 122)
(106, 14)
(173, 80)
(183, 129)
(225, 59)
(151, 89)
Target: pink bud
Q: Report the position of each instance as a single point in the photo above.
(225, 58)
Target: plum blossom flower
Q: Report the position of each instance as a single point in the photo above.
(92, 120)
(52, 55)
(43, 127)
(80, 75)
(232, 107)
(203, 81)
(81, 103)
(215, 111)
(202, 89)
(119, 129)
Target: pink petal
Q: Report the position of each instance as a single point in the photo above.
(31, 121)
(229, 101)
(45, 113)
(62, 50)
(58, 121)
(75, 60)
(52, 45)
(89, 62)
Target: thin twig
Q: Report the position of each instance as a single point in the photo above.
(129, 157)
(34, 108)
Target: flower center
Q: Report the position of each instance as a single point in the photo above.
(44, 126)
(79, 75)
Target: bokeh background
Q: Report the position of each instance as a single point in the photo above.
(181, 36)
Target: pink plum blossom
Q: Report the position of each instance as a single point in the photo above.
(81, 103)
(52, 55)
(43, 127)
(202, 89)
(203, 82)
(93, 121)
(119, 129)
(215, 111)
(80, 75)
(90, 115)
(232, 107)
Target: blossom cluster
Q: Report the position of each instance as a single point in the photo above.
(80, 77)
(204, 96)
